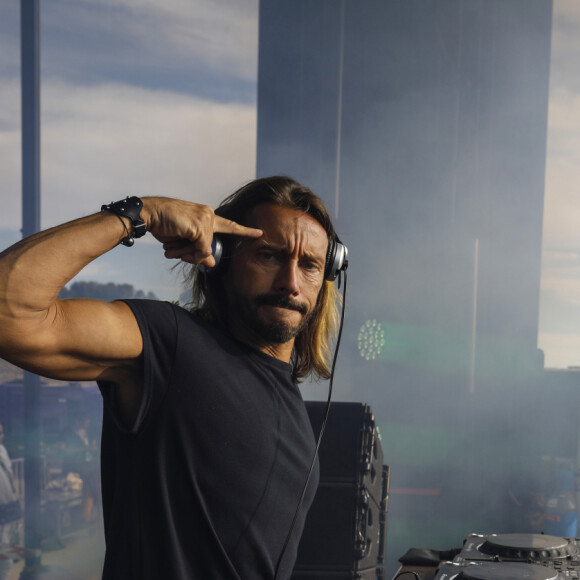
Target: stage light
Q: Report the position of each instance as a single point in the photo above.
(371, 339)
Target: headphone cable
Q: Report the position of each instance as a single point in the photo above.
(322, 428)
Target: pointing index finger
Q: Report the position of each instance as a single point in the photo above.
(222, 225)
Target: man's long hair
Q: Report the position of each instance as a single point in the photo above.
(312, 353)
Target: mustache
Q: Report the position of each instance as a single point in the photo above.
(281, 301)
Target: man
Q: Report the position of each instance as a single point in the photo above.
(80, 459)
(206, 444)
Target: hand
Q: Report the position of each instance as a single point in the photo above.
(186, 229)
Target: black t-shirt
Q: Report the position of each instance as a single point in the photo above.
(207, 482)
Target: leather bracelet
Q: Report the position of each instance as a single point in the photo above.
(129, 207)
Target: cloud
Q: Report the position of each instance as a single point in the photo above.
(10, 154)
(9, 37)
(562, 202)
(561, 349)
(566, 22)
(203, 47)
(151, 43)
(224, 32)
(564, 288)
(562, 257)
(103, 142)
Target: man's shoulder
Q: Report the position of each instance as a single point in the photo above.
(155, 308)
(169, 314)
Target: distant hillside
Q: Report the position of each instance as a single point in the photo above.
(9, 372)
(107, 291)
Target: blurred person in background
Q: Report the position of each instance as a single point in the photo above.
(10, 508)
(81, 458)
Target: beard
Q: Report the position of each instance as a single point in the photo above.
(277, 332)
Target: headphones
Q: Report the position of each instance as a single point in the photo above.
(336, 257)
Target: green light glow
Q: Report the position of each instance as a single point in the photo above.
(440, 350)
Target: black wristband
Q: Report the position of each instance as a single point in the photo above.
(129, 207)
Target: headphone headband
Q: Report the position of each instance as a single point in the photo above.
(336, 257)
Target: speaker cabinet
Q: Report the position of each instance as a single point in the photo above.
(345, 530)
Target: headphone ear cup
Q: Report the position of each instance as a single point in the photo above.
(217, 250)
(335, 260)
(330, 253)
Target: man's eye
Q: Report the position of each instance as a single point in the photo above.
(313, 266)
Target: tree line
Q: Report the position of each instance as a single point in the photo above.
(107, 292)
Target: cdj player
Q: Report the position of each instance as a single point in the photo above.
(514, 557)
(530, 548)
(498, 571)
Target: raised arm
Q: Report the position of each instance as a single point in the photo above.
(89, 339)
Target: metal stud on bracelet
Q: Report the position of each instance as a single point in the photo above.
(129, 207)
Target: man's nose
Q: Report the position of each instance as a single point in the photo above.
(287, 279)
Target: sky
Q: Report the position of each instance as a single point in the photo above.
(137, 98)
(159, 98)
(559, 322)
